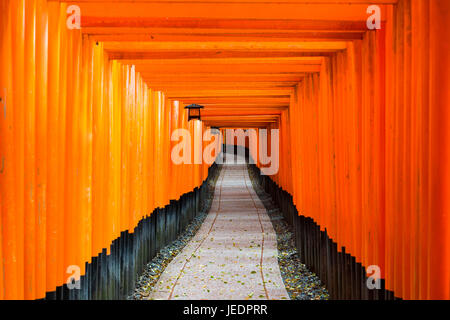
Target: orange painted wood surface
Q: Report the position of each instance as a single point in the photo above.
(86, 119)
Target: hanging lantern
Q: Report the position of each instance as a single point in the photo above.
(194, 111)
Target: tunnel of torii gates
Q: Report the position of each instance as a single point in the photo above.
(363, 117)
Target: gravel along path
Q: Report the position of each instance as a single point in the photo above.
(301, 284)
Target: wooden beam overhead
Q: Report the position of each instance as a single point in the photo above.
(235, 125)
(199, 10)
(243, 106)
(130, 36)
(241, 117)
(214, 85)
(148, 70)
(192, 54)
(224, 77)
(227, 61)
(346, 2)
(180, 94)
(238, 32)
(239, 100)
(231, 65)
(243, 112)
(301, 46)
(92, 25)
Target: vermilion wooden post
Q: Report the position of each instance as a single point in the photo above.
(70, 151)
(61, 143)
(152, 146)
(439, 255)
(84, 159)
(41, 144)
(146, 151)
(174, 125)
(52, 143)
(7, 200)
(18, 61)
(30, 151)
(124, 174)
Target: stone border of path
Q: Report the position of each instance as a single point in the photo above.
(300, 283)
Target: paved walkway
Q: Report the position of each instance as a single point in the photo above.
(233, 255)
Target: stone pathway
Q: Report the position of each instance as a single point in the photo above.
(233, 255)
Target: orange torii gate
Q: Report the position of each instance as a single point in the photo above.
(87, 115)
